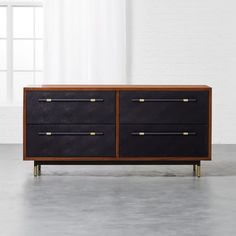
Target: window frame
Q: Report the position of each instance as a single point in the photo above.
(9, 70)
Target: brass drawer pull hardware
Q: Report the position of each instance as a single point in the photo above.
(164, 100)
(70, 133)
(163, 133)
(71, 100)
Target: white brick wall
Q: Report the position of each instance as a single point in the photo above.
(187, 42)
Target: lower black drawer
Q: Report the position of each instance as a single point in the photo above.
(163, 140)
(70, 140)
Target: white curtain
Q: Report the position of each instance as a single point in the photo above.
(85, 41)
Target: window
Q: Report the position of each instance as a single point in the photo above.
(21, 48)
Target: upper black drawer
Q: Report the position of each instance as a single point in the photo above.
(70, 107)
(164, 107)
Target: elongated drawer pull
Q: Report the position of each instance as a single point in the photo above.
(163, 99)
(71, 100)
(92, 133)
(185, 133)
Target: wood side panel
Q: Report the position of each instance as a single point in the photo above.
(117, 124)
(24, 124)
(210, 125)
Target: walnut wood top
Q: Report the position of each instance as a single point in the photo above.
(117, 87)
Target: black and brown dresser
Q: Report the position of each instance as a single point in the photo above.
(117, 124)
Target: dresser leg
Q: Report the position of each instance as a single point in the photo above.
(199, 169)
(35, 169)
(194, 170)
(39, 169)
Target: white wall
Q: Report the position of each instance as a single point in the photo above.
(187, 42)
(174, 42)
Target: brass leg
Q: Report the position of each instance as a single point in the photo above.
(35, 171)
(194, 170)
(199, 169)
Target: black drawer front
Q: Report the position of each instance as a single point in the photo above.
(70, 107)
(70, 140)
(163, 140)
(164, 107)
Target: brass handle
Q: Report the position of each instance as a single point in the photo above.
(71, 100)
(49, 133)
(142, 133)
(163, 99)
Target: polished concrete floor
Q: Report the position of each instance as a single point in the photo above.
(118, 200)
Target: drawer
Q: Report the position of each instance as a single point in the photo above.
(163, 140)
(164, 107)
(70, 107)
(70, 140)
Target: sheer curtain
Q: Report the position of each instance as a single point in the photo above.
(85, 41)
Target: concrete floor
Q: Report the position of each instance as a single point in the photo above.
(117, 200)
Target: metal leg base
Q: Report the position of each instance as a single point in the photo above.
(198, 170)
(37, 170)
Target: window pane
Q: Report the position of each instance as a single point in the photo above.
(3, 22)
(23, 22)
(39, 54)
(23, 55)
(21, 79)
(38, 22)
(3, 54)
(39, 78)
(3, 86)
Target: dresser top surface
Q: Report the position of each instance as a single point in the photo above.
(118, 87)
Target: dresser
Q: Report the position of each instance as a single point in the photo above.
(117, 124)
